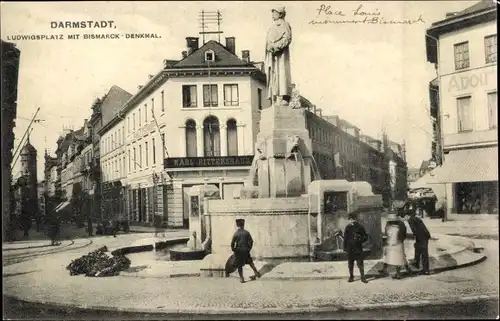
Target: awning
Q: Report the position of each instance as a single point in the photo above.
(467, 165)
(61, 206)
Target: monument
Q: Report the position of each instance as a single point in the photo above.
(276, 202)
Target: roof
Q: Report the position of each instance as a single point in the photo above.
(480, 6)
(480, 12)
(223, 58)
(112, 103)
(28, 149)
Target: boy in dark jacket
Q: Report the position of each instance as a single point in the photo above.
(354, 237)
(241, 245)
(422, 237)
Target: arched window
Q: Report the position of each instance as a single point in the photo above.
(211, 136)
(191, 150)
(232, 138)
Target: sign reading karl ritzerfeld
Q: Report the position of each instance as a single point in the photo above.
(182, 162)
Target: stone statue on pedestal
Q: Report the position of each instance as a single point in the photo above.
(277, 61)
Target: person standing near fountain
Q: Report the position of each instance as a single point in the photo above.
(395, 229)
(422, 237)
(241, 245)
(277, 60)
(354, 237)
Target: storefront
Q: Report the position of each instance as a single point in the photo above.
(227, 173)
(471, 179)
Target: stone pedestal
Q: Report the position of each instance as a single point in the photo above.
(278, 225)
(283, 152)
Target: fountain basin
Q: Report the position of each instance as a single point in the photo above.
(186, 253)
(279, 226)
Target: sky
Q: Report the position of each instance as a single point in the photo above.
(373, 76)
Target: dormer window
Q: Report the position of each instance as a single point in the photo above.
(209, 55)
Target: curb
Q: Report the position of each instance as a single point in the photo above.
(287, 310)
(33, 247)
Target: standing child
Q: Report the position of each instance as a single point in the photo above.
(241, 245)
(354, 237)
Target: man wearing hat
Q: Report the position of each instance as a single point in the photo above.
(277, 60)
(241, 245)
(394, 255)
(354, 237)
(422, 237)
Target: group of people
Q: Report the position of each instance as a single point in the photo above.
(394, 251)
(354, 237)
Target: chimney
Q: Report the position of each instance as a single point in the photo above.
(192, 44)
(231, 45)
(184, 54)
(245, 55)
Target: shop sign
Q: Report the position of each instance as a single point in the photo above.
(191, 162)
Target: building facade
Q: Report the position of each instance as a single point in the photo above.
(9, 74)
(464, 48)
(112, 154)
(193, 123)
(342, 152)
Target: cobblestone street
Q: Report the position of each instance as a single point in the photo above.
(226, 295)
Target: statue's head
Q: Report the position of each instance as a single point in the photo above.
(278, 12)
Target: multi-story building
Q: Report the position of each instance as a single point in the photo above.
(95, 123)
(192, 123)
(9, 74)
(112, 152)
(464, 48)
(342, 152)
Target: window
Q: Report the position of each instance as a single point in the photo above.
(135, 160)
(152, 107)
(490, 48)
(140, 156)
(209, 55)
(464, 114)
(189, 96)
(139, 116)
(124, 170)
(145, 113)
(163, 144)
(211, 134)
(232, 138)
(462, 55)
(133, 116)
(128, 123)
(147, 151)
(191, 147)
(154, 150)
(210, 96)
(259, 98)
(129, 161)
(162, 101)
(231, 95)
(493, 109)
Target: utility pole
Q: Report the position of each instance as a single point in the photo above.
(22, 139)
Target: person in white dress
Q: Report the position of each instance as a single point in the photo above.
(394, 252)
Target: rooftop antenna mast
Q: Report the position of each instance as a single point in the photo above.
(207, 21)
